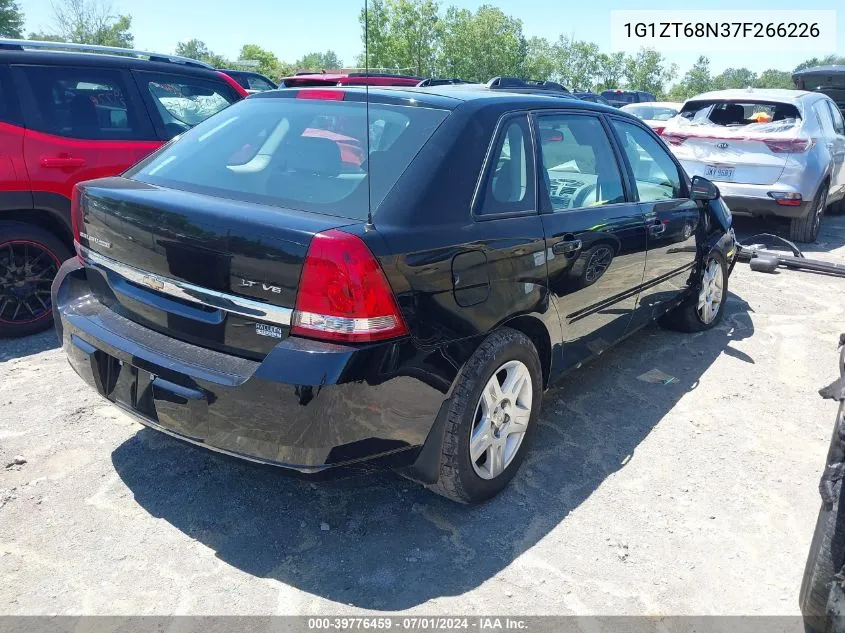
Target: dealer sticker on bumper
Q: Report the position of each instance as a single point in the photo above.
(273, 331)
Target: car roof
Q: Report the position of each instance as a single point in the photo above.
(833, 68)
(102, 60)
(781, 95)
(452, 96)
(655, 104)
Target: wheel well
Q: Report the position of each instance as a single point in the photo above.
(43, 219)
(534, 329)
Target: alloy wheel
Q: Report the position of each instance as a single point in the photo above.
(711, 295)
(501, 419)
(27, 270)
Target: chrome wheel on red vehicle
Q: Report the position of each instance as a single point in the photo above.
(27, 270)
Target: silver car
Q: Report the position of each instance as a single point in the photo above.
(771, 152)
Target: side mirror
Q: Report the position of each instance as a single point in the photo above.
(703, 189)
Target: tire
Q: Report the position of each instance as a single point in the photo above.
(687, 316)
(461, 479)
(18, 240)
(826, 556)
(805, 230)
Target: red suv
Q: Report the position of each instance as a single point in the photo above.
(72, 116)
(305, 79)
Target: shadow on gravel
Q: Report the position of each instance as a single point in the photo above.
(384, 542)
(27, 346)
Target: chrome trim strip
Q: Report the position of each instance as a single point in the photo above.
(189, 292)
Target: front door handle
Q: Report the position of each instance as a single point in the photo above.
(62, 162)
(567, 247)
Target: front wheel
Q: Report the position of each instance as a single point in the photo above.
(491, 418)
(704, 308)
(30, 257)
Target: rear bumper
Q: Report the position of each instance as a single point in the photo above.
(307, 406)
(765, 206)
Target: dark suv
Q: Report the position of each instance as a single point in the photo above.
(71, 116)
(313, 278)
(618, 98)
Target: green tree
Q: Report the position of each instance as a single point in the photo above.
(403, 34)
(735, 78)
(88, 22)
(611, 70)
(319, 61)
(648, 70)
(540, 62)
(773, 78)
(481, 45)
(197, 49)
(579, 63)
(268, 64)
(695, 81)
(11, 19)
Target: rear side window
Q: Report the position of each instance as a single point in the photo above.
(824, 116)
(302, 154)
(579, 166)
(624, 97)
(258, 83)
(84, 103)
(183, 102)
(509, 183)
(838, 123)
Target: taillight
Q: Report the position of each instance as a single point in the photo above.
(326, 94)
(242, 93)
(673, 138)
(343, 294)
(789, 145)
(659, 130)
(76, 216)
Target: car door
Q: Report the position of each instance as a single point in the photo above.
(837, 150)
(595, 232)
(14, 181)
(82, 123)
(670, 216)
(176, 103)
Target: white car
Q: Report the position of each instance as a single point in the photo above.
(654, 113)
(771, 152)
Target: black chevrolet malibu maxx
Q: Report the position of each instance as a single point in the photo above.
(316, 277)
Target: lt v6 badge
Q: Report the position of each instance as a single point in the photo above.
(246, 283)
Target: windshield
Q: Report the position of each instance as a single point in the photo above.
(736, 113)
(296, 153)
(651, 113)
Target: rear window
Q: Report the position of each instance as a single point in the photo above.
(651, 113)
(737, 113)
(626, 97)
(302, 154)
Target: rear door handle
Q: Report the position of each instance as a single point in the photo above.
(62, 162)
(567, 247)
(658, 228)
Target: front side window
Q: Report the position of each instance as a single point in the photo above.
(304, 154)
(509, 183)
(579, 166)
(655, 173)
(84, 103)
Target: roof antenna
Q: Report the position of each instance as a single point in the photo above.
(369, 225)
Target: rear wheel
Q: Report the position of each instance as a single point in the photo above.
(491, 418)
(704, 308)
(30, 257)
(806, 229)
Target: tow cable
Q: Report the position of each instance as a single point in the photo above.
(752, 251)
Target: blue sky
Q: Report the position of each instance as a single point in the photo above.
(291, 29)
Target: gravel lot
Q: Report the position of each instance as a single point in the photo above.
(696, 497)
